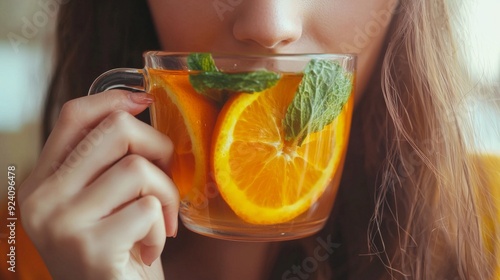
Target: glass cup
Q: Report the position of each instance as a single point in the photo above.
(259, 140)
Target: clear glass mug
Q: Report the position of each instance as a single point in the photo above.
(259, 140)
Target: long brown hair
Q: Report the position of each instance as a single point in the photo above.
(407, 205)
(429, 184)
(92, 37)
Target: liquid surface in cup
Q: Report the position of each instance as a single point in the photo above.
(239, 176)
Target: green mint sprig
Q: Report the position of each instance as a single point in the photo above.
(322, 93)
(209, 81)
(201, 62)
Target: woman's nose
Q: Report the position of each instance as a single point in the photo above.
(272, 24)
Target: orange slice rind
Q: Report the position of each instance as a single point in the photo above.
(187, 118)
(262, 177)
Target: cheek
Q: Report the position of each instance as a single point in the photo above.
(362, 32)
(335, 26)
(189, 25)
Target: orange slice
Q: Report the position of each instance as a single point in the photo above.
(263, 178)
(188, 119)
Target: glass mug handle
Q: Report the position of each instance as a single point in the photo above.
(125, 78)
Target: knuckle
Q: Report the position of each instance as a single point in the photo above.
(136, 165)
(69, 110)
(120, 122)
(150, 204)
(120, 117)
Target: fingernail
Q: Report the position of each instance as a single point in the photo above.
(141, 98)
(172, 235)
(148, 255)
(147, 262)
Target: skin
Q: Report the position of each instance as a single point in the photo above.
(267, 27)
(99, 205)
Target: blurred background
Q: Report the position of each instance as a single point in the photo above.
(26, 34)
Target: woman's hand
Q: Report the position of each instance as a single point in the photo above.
(98, 204)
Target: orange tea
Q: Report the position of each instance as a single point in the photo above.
(258, 147)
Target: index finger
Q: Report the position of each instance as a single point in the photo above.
(79, 116)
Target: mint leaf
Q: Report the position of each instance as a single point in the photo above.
(235, 82)
(201, 62)
(209, 81)
(321, 96)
